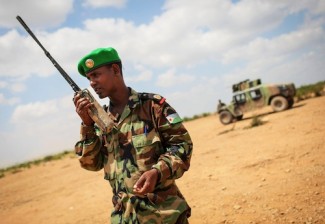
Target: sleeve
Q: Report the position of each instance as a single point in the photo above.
(176, 141)
(89, 149)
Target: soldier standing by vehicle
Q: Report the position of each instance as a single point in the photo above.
(143, 155)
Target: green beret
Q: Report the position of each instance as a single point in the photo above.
(96, 59)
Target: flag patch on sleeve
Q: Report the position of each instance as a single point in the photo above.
(174, 118)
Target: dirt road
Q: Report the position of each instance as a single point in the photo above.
(274, 173)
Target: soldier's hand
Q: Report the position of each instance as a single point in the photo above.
(146, 183)
(82, 105)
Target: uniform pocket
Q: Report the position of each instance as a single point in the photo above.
(147, 150)
(140, 141)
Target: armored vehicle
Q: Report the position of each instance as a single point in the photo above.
(250, 95)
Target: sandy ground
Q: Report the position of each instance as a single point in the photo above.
(274, 173)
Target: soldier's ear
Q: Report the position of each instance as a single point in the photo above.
(116, 69)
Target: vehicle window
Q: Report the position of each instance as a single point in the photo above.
(255, 94)
(240, 98)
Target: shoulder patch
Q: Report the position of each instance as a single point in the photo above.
(151, 96)
(174, 118)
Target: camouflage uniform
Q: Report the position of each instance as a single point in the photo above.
(148, 135)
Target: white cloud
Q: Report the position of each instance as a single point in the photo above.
(8, 101)
(313, 6)
(278, 59)
(184, 34)
(34, 111)
(30, 57)
(170, 78)
(143, 75)
(18, 87)
(286, 44)
(15, 88)
(199, 98)
(46, 13)
(104, 3)
(40, 129)
(3, 84)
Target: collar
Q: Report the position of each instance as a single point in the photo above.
(133, 98)
(132, 101)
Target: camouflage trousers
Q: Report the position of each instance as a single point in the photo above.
(117, 219)
(139, 211)
(183, 218)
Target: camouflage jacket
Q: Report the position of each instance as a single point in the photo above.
(149, 134)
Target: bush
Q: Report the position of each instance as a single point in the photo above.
(256, 121)
(196, 117)
(312, 90)
(26, 165)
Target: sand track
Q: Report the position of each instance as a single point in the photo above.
(274, 173)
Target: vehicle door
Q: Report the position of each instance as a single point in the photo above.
(240, 100)
(256, 98)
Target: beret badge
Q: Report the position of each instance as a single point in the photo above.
(89, 63)
(97, 58)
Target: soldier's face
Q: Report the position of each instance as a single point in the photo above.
(102, 80)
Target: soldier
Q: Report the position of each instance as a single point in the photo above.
(147, 150)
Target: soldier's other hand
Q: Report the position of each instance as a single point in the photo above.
(146, 183)
(82, 105)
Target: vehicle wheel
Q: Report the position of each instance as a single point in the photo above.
(238, 118)
(279, 103)
(225, 117)
(290, 103)
(238, 114)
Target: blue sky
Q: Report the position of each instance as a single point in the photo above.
(191, 52)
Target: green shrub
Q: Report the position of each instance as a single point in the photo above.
(195, 117)
(311, 90)
(256, 121)
(20, 167)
